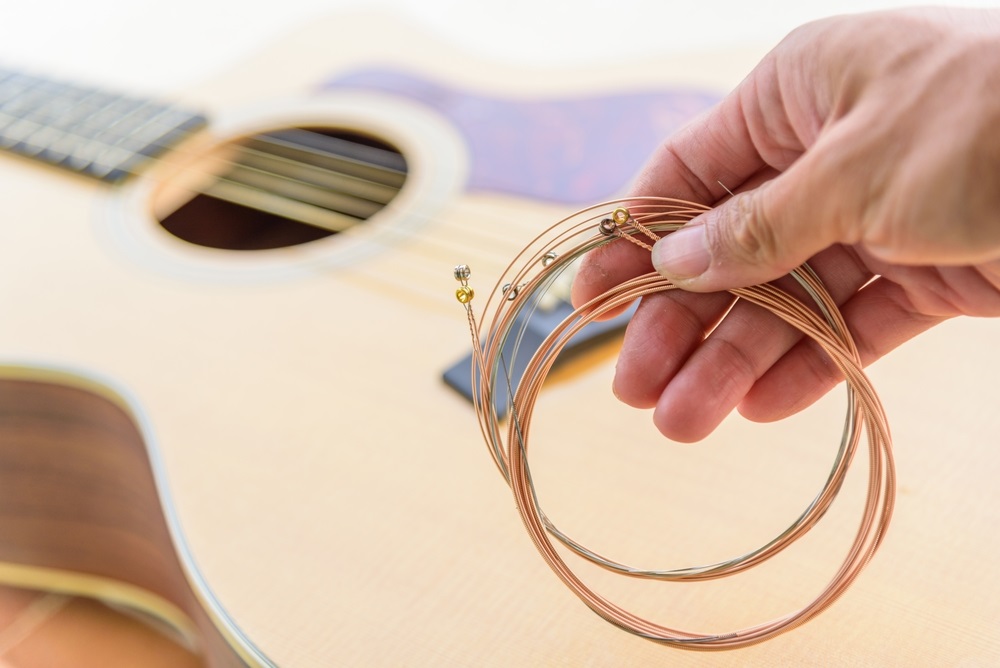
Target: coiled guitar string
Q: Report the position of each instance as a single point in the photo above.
(499, 335)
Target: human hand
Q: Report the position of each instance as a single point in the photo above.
(868, 145)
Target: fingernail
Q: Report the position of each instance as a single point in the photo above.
(682, 254)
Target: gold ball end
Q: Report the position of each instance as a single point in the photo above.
(620, 215)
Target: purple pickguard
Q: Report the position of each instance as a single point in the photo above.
(573, 150)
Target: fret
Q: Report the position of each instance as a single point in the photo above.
(87, 129)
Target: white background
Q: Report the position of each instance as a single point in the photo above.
(159, 46)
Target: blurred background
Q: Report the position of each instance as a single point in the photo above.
(157, 47)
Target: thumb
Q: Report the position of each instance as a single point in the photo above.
(754, 237)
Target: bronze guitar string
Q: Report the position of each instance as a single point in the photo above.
(520, 289)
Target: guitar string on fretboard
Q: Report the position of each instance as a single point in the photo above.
(87, 129)
(327, 182)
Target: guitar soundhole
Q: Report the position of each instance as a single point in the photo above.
(286, 188)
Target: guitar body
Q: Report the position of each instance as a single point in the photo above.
(257, 446)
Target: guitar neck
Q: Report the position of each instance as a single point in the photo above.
(87, 129)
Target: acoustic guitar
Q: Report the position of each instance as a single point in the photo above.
(227, 320)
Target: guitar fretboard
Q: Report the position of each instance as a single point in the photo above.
(86, 129)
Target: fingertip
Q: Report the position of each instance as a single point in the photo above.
(683, 255)
(678, 428)
(679, 418)
(632, 393)
(626, 394)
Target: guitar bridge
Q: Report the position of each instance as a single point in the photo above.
(533, 326)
